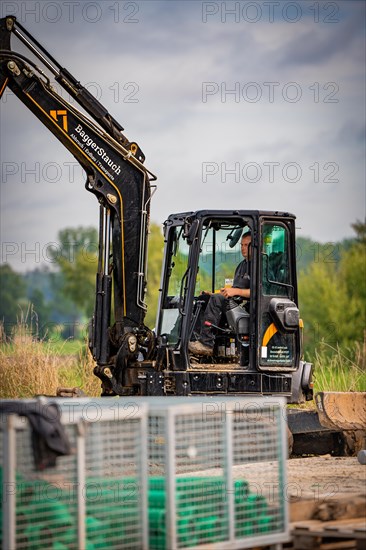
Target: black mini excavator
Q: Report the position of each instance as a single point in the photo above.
(258, 341)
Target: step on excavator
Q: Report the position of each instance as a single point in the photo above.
(257, 347)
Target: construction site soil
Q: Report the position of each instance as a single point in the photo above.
(326, 488)
(326, 475)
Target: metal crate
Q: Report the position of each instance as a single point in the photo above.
(94, 498)
(217, 473)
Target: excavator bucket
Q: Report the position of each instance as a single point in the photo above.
(342, 410)
(336, 427)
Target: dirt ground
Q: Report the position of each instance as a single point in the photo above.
(325, 476)
(319, 487)
(326, 488)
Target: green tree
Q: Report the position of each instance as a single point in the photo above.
(309, 251)
(322, 301)
(352, 271)
(12, 296)
(76, 255)
(79, 281)
(72, 241)
(41, 311)
(360, 230)
(333, 298)
(51, 309)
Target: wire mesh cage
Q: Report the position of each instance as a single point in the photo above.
(157, 473)
(94, 497)
(217, 473)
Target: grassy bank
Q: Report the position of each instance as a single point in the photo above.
(29, 367)
(338, 370)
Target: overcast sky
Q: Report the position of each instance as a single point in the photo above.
(250, 105)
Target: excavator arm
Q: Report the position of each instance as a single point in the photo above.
(118, 178)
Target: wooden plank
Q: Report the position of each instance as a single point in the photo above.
(336, 535)
(341, 545)
(329, 534)
(351, 528)
(359, 522)
(348, 523)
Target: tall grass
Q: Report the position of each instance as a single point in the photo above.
(30, 367)
(339, 371)
(80, 375)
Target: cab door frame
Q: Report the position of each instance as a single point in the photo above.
(278, 346)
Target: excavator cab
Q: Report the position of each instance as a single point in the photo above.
(201, 257)
(258, 342)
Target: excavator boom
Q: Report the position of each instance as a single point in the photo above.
(115, 173)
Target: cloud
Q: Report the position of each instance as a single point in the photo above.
(352, 134)
(318, 45)
(280, 93)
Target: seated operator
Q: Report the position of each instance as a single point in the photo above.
(217, 304)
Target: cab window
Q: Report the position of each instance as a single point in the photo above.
(172, 303)
(219, 257)
(275, 260)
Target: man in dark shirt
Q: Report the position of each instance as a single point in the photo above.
(217, 303)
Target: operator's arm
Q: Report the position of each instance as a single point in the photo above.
(241, 283)
(231, 292)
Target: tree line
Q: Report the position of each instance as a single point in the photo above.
(59, 302)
